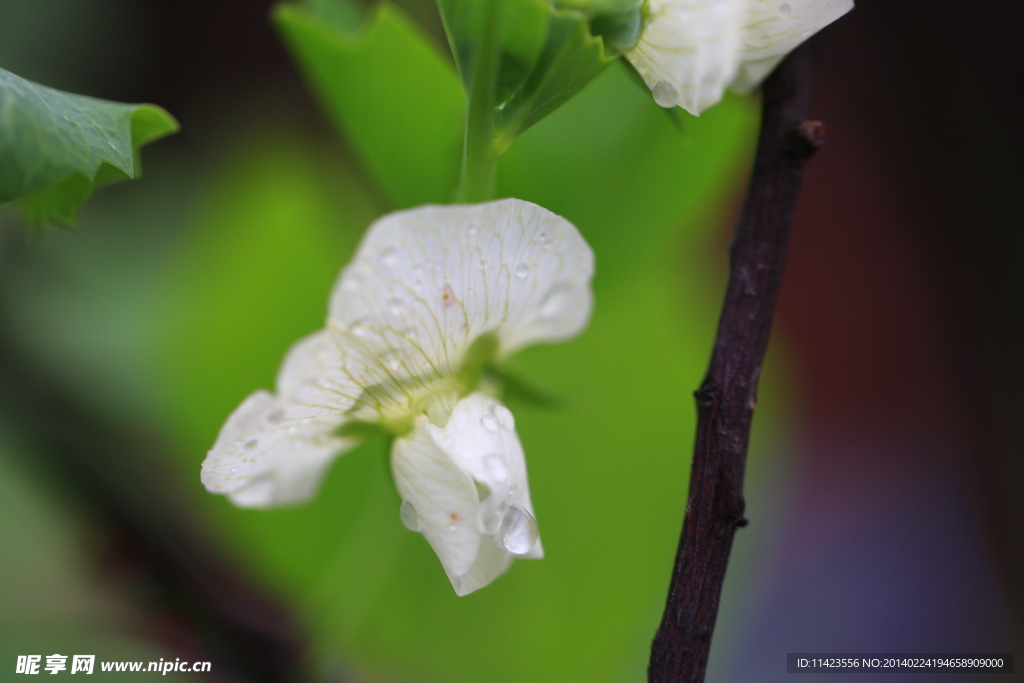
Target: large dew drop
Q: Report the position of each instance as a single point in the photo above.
(518, 531)
(410, 518)
(522, 270)
(665, 94)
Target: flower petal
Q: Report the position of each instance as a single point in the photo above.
(467, 483)
(274, 450)
(773, 28)
(689, 50)
(443, 497)
(427, 282)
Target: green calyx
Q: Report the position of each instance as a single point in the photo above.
(394, 407)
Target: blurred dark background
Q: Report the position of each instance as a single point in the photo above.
(899, 524)
(901, 302)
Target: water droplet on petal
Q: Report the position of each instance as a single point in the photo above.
(410, 518)
(388, 256)
(518, 531)
(556, 301)
(276, 417)
(758, 37)
(489, 423)
(504, 416)
(396, 306)
(359, 328)
(409, 333)
(522, 270)
(495, 466)
(473, 225)
(785, 9)
(251, 444)
(483, 264)
(665, 94)
(392, 360)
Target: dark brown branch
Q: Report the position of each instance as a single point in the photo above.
(725, 400)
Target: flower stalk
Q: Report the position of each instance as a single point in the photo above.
(726, 398)
(479, 157)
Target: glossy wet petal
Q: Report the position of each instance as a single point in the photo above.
(689, 50)
(467, 483)
(274, 449)
(774, 28)
(427, 282)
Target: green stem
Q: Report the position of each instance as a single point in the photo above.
(479, 157)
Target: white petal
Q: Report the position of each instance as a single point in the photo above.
(315, 380)
(443, 472)
(773, 28)
(443, 496)
(689, 50)
(274, 450)
(492, 561)
(427, 282)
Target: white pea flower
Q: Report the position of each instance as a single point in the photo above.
(689, 51)
(433, 296)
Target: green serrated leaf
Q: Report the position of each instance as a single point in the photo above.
(571, 58)
(56, 147)
(546, 55)
(389, 90)
(522, 27)
(617, 21)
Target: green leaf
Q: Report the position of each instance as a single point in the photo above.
(546, 53)
(571, 58)
(600, 7)
(522, 26)
(389, 90)
(56, 147)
